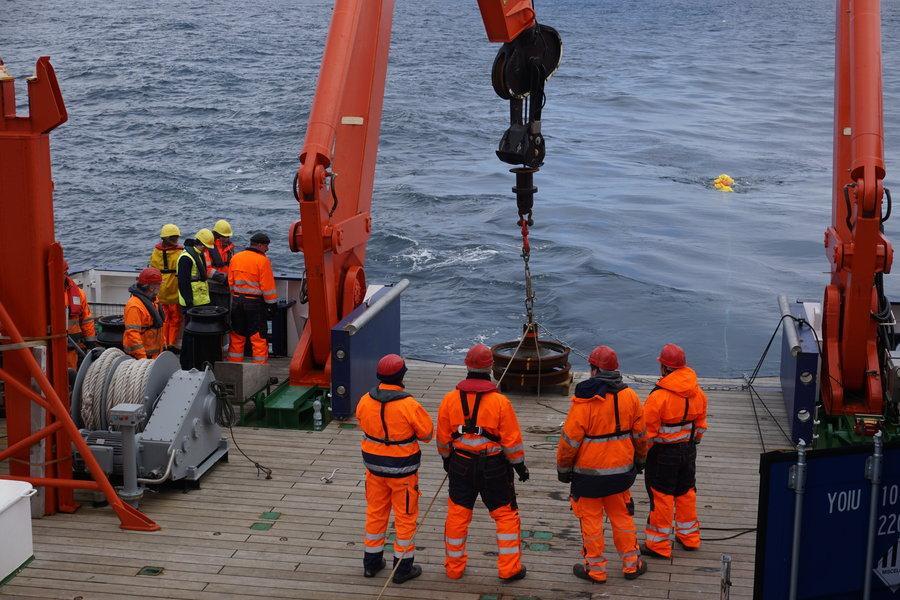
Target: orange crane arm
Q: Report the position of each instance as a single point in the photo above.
(855, 309)
(334, 182)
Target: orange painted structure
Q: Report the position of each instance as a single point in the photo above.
(32, 309)
(337, 165)
(852, 381)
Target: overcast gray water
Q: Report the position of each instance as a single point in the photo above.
(190, 112)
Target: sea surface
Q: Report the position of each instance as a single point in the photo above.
(187, 112)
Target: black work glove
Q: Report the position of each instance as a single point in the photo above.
(271, 310)
(522, 471)
(446, 460)
(220, 278)
(564, 477)
(639, 466)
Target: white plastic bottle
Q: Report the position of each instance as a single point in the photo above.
(317, 415)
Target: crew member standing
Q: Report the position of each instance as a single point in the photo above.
(479, 439)
(193, 291)
(602, 440)
(253, 300)
(79, 320)
(165, 259)
(219, 258)
(393, 424)
(675, 414)
(193, 285)
(143, 319)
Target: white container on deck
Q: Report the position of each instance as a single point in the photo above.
(16, 543)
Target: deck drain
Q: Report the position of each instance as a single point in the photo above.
(261, 526)
(538, 547)
(526, 533)
(542, 535)
(151, 571)
(270, 516)
(552, 438)
(347, 426)
(488, 597)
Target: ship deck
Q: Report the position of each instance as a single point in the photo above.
(208, 547)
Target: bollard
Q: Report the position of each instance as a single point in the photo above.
(725, 589)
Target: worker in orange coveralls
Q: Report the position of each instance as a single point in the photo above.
(253, 300)
(165, 258)
(393, 424)
(675, 414)
(480, 441)
(600, 451)
(143, 319)
(79, 320)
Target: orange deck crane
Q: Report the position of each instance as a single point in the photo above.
(333, 184)
(856, 316)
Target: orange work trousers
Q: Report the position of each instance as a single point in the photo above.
(619, 508)
(491, 478)
(664, 508)
(172, 322)
(382, 494)
(259, 344)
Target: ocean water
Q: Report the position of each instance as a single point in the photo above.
(189, 112)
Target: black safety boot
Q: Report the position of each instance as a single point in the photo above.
(580, 572)
(516, 577)
(648, 552)
(406, 571)
(372, 566)
(642, 568)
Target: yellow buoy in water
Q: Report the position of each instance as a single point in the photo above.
(724, 183)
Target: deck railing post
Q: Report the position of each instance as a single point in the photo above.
(873, 474)
(797, 482)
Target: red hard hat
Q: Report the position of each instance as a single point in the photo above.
(150, 276)
(672, 356)
(604, 357)
(479, 356)
(390, 364)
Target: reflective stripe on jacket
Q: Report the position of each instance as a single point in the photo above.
(393, 424)
(141, 339)
(165, 258)
(675, 411)
(79, 320)
(496, 428)
(250, 274)
(600, 439)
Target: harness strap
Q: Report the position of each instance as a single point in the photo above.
(388, 442)
(618, 430)
(471, 421)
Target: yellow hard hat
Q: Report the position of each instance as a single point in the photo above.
(206, 238)
(168, 230)
(223, 227)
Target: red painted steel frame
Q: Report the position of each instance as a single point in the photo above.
(338, 161)
(31, 276)
(852, 382)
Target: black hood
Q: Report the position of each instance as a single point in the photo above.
(605, 382)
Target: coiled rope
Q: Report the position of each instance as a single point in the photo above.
(126, 386)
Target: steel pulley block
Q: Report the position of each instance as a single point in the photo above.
(533, 54)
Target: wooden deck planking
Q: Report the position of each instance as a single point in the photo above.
(314, 549)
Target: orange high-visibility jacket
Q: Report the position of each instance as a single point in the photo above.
(601, 437)
(143, 334)
(79, 320)
(219, 257)
(250, 274)
(675, 411)
(475, 418)
(165, 258)
(393, 424)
